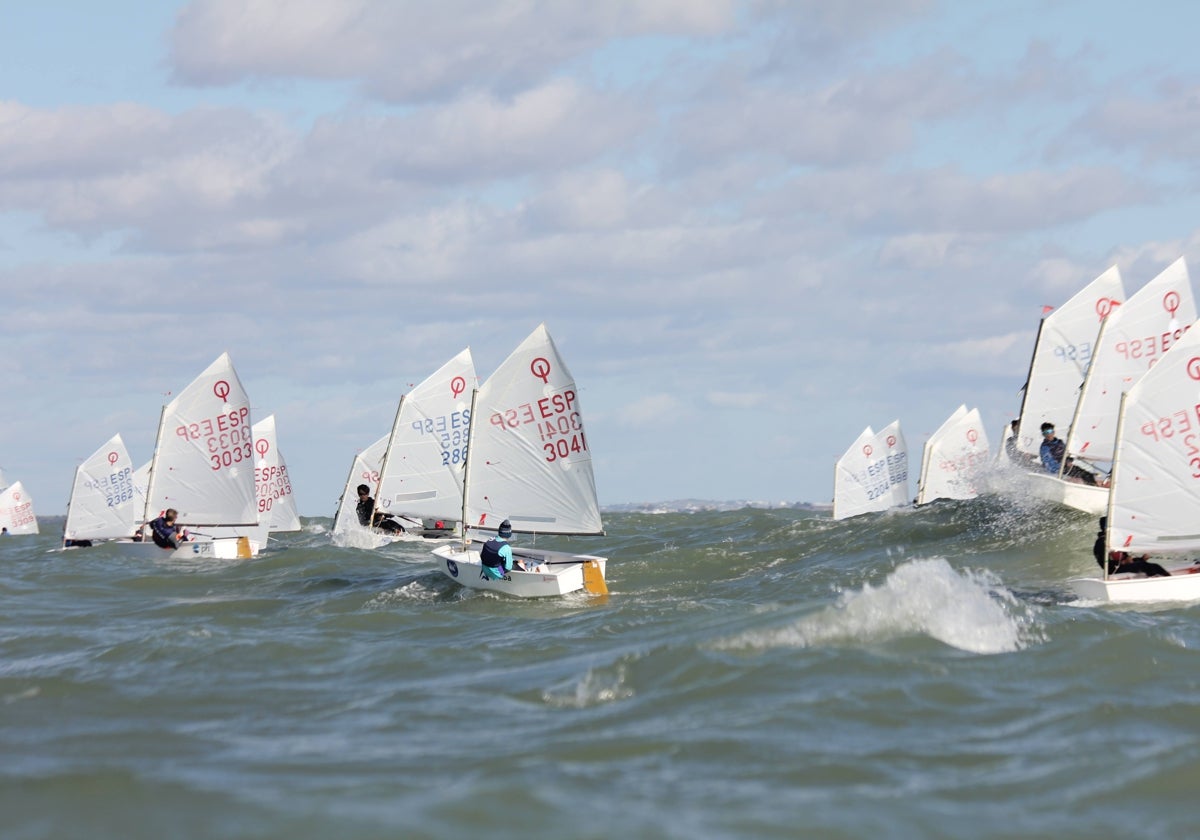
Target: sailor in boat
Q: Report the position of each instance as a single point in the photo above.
(164, 531)
(496, 556)
(1053, 450)
(367, 516)
(1119, 562)
(1015, 455)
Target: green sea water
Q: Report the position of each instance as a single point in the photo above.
(753, 673)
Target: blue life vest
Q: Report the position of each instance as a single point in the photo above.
(490, 554)
(496, 557)
(1052, 452)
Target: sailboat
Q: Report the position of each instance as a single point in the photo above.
(1062, 352)
(203, 467)
(421, 474)
(414, 473)
(528, 462)
(1132, 338)
(872, 475)
(273, 485)
(1154, 506)
(348, 532)
(105, 503)
(953, 458)
(1065, 344)
(16, 510)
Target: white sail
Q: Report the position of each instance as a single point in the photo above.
(854, 491)
(1155, 494)
(422, 471)
(16, 510)
(105, 502)
(891, 441)
(1002, 456)
(363, 470)
(1064, 349)
(1134, 337)
(927, 453)
(953, 458)
(529, 459)
(872, 475)
(203, 462)
(141, 483)
(276, 501)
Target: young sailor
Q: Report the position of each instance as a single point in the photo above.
(496, 554)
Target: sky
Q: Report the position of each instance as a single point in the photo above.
(752, 228)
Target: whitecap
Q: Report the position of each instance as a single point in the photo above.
(968, 610)
(597, 686)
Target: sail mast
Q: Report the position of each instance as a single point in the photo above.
(467, 468)
(388, 451)
(1029, 375)
(162, 414)
(1112, 483)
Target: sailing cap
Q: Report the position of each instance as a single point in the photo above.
(505, 529)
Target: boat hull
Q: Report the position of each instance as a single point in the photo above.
(1085, 497)
(564, 572)
(222, 548)
(1183, 584)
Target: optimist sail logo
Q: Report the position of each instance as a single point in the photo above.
(540, 367)
(1193, 368)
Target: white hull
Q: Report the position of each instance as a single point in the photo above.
(1085, 497)
(223, 548)
(564, 572)
(1182, 585)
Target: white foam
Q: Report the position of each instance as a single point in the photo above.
(967, 610)
(597, 686)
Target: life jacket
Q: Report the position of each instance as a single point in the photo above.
(489, 555)
(162, 533)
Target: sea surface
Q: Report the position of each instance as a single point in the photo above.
(752, 674)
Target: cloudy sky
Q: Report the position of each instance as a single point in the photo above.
(753, 228)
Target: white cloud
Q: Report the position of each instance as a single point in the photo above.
(411, 50)
(651, 410)
(722, 209)
(728, 399)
